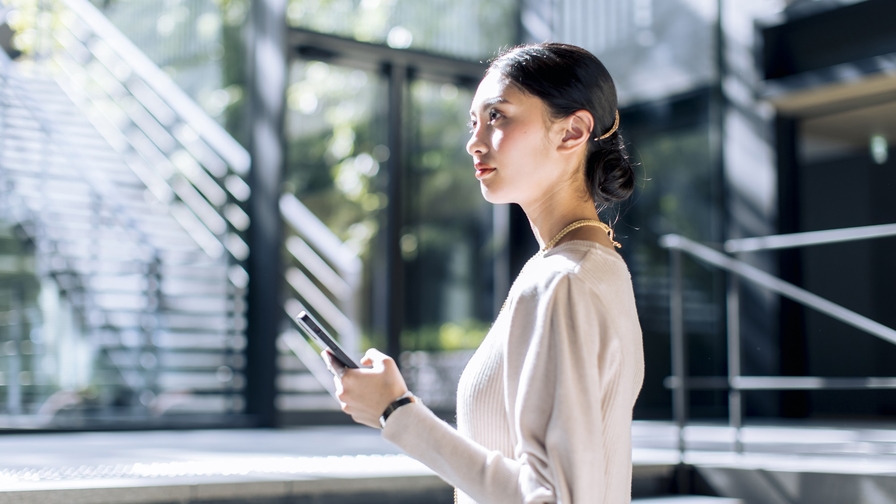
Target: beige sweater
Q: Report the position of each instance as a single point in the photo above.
(544, 407)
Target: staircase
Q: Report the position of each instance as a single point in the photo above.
(131, 202)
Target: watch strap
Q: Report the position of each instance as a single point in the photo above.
(401, 401)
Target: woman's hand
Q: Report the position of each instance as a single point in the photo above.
(365, 393)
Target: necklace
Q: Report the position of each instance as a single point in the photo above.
(576, 225)
(563, 232)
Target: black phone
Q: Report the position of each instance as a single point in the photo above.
(319, 334)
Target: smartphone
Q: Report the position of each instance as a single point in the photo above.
(323, 338)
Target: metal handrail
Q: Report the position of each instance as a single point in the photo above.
(236, 156)
(303, 221)
(681, 383)
(794, 240)
(783, 383)
(778, 286)
(174, 147)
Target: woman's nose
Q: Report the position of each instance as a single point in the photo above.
(475, 146)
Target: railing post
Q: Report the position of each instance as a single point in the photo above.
(735, 404)
(679, 352)
(149, 358)
(16, 333)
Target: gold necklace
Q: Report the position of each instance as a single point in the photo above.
(575, 225)
(563, 232)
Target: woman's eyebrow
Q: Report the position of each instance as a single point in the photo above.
(490, 102)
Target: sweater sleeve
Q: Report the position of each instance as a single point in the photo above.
(552, 391)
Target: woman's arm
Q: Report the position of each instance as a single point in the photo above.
(552, 393)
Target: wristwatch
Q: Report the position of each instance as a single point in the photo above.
(407, 398)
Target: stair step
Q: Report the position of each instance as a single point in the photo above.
(23, 169)
(132, 320)
(199, 340)
(212, 298)
(306, 402)
(35, 152)
(31, 140)
(198, 360)
(299, 383)
(23, 125)
(181, 287)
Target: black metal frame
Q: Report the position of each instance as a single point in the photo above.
(267, 84)
(377, 57)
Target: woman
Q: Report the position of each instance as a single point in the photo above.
(545, 404)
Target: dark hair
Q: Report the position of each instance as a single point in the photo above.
(568, 79)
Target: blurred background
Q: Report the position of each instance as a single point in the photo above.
(178, 178)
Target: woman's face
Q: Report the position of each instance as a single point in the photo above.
(512, 143)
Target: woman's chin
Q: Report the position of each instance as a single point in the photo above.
(493, 196)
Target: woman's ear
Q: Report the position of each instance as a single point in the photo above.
(577, 130)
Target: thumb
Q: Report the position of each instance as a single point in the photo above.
(373, 358)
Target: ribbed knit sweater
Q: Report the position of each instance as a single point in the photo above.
(544, 407)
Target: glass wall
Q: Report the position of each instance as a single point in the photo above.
(335, 131)
(337, 152)
(449, 245)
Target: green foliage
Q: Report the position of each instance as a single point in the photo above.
(335, 145)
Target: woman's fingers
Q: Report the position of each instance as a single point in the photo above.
(364, 393)
(338, 382)
(333, 364)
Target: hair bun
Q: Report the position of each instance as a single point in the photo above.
(609, 172)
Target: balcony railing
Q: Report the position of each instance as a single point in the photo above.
(681, 383)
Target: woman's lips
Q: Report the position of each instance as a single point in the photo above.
(483, 170)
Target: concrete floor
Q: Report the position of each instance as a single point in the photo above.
(299, 465)
(348, 464)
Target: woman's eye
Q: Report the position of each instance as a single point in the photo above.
(471, 125)
(493, 115)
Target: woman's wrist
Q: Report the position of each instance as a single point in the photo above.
(402, 400)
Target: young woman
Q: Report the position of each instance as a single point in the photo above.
(544, 407)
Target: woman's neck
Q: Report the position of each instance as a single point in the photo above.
(556, 211)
